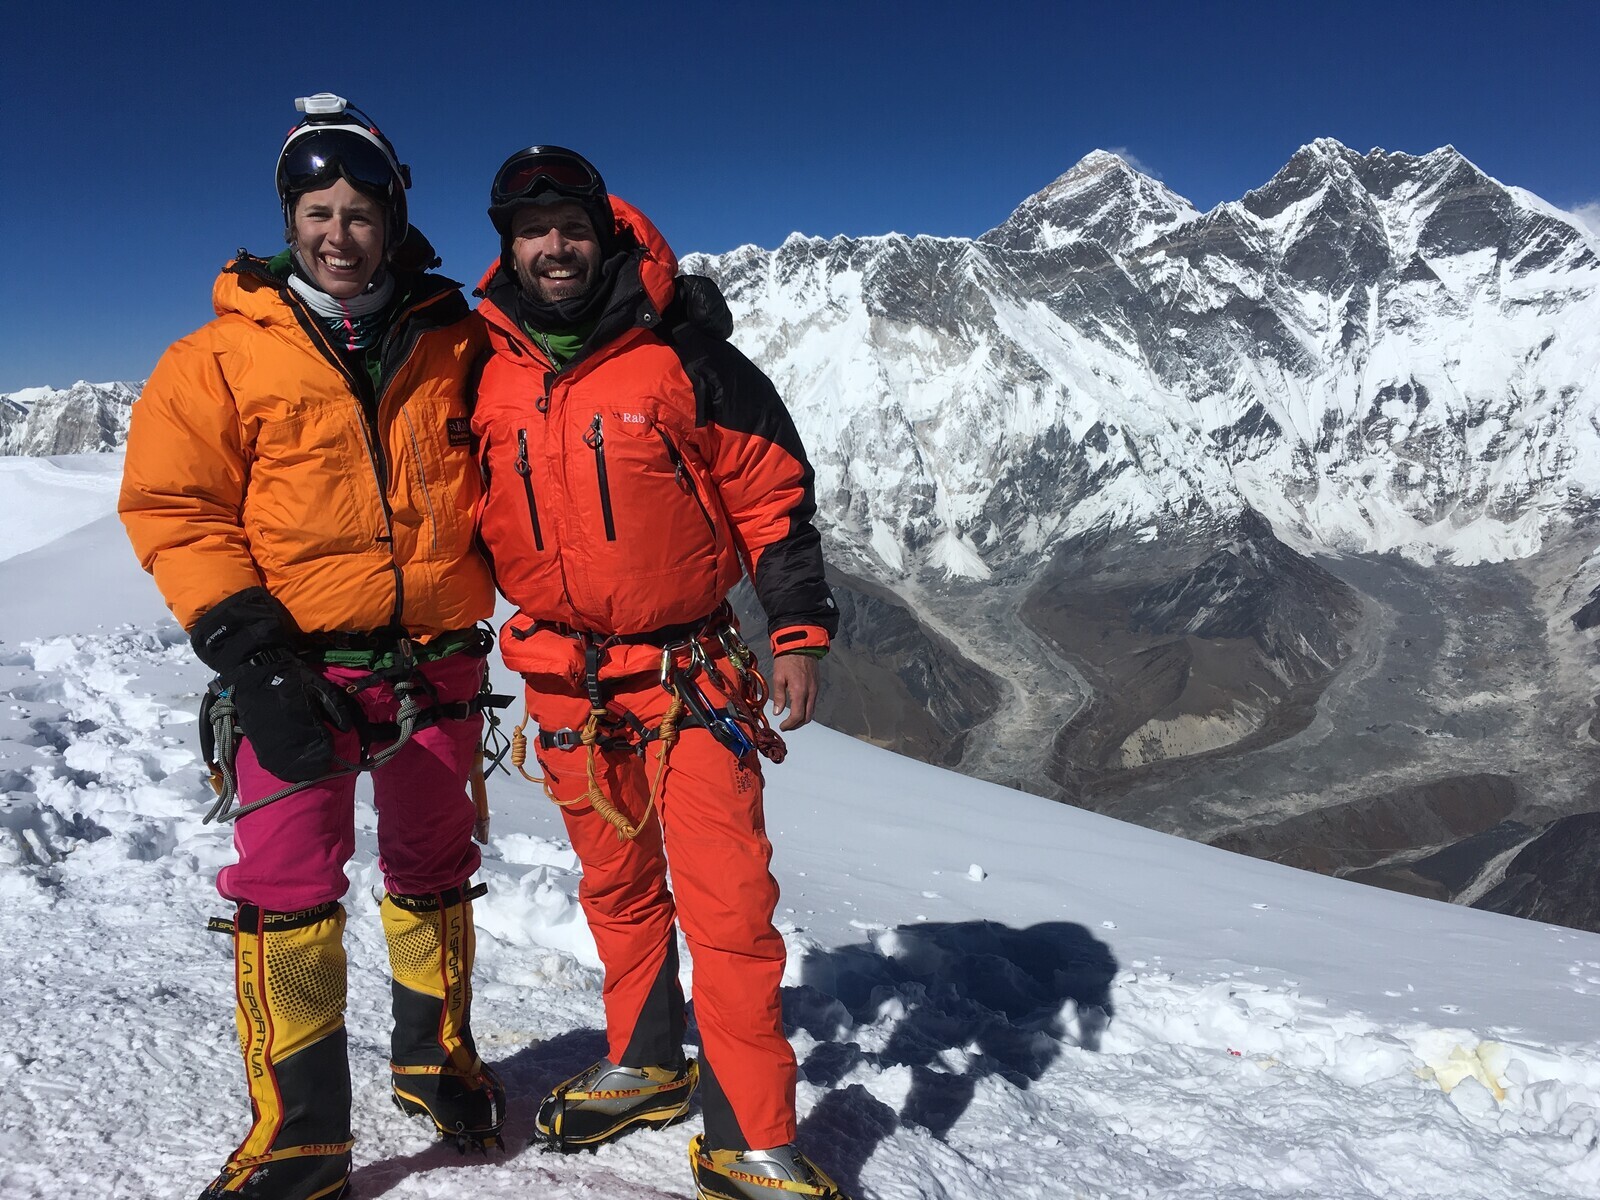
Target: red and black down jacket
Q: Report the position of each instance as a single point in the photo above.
(627, 492)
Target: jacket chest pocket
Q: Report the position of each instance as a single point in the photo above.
(646, 491)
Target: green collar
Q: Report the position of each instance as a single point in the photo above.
(560, 347)
(281, 264)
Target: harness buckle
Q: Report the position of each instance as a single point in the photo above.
(561, 739)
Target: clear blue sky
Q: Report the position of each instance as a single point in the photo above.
(140, 140)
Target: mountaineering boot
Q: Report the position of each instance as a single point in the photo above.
(605, 1100)
(436, 1069)
(289, 974)
(757, 1174)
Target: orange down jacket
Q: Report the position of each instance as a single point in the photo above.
(628, 491)
(257, 457)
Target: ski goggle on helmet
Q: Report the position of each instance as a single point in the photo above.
(548, 171)
(336, 140)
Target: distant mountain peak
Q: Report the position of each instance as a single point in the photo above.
(1317, 165)
(1327, 148)
(1101, 168)
(1097, 162)
(1101, 198)
(1378, 171)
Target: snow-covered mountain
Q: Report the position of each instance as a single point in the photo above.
(1376, 352)
(85, 418)
(1049, 449)
(991, 996)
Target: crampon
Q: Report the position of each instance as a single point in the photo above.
(605, 1101)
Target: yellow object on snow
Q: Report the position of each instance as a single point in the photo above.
(1484, 1062)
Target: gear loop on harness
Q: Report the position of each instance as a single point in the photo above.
(665, 735)
(396, 662)
(688, 654)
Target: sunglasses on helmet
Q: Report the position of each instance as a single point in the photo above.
(540, 168)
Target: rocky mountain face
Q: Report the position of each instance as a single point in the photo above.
(85, 418)
(1175, 482)
(1191, 644)
(1318, 351)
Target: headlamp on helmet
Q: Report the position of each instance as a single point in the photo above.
(323, 104)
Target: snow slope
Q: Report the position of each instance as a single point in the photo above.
(42, 498)
(991, 996)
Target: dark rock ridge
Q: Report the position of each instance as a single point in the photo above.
(895, 683)
(891, 681)
(1394, 826)
(1453, 872)
(1194, 646)
(1553, 877)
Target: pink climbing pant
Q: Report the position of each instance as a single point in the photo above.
(293, 852)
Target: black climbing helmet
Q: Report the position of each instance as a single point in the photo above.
(548, 175)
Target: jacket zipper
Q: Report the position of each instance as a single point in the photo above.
(405, 321)
(680, 472)
(369, 425)
(595, 439)
(422, 477)
(526, 471)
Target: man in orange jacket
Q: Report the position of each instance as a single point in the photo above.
(300, 481)
(636, 468)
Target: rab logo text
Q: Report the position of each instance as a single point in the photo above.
(460, 430)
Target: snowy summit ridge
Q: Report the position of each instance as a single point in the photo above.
(1101, 198)
(1377, 351)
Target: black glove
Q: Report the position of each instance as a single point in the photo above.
(235, 630)
(285, 707)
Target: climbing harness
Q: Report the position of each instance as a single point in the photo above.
(393, 661)
(688, 657)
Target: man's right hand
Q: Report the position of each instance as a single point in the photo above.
(794, 689)
(285, 708)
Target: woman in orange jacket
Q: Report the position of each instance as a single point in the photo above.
(300, 482)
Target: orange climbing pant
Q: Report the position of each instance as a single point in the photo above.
(709, 824)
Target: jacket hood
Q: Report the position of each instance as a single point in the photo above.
(250, 288)
(657, 268)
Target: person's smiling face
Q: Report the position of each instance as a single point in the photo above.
(557, 251)
(339, 234)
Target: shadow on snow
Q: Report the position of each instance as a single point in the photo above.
(954, 1003)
